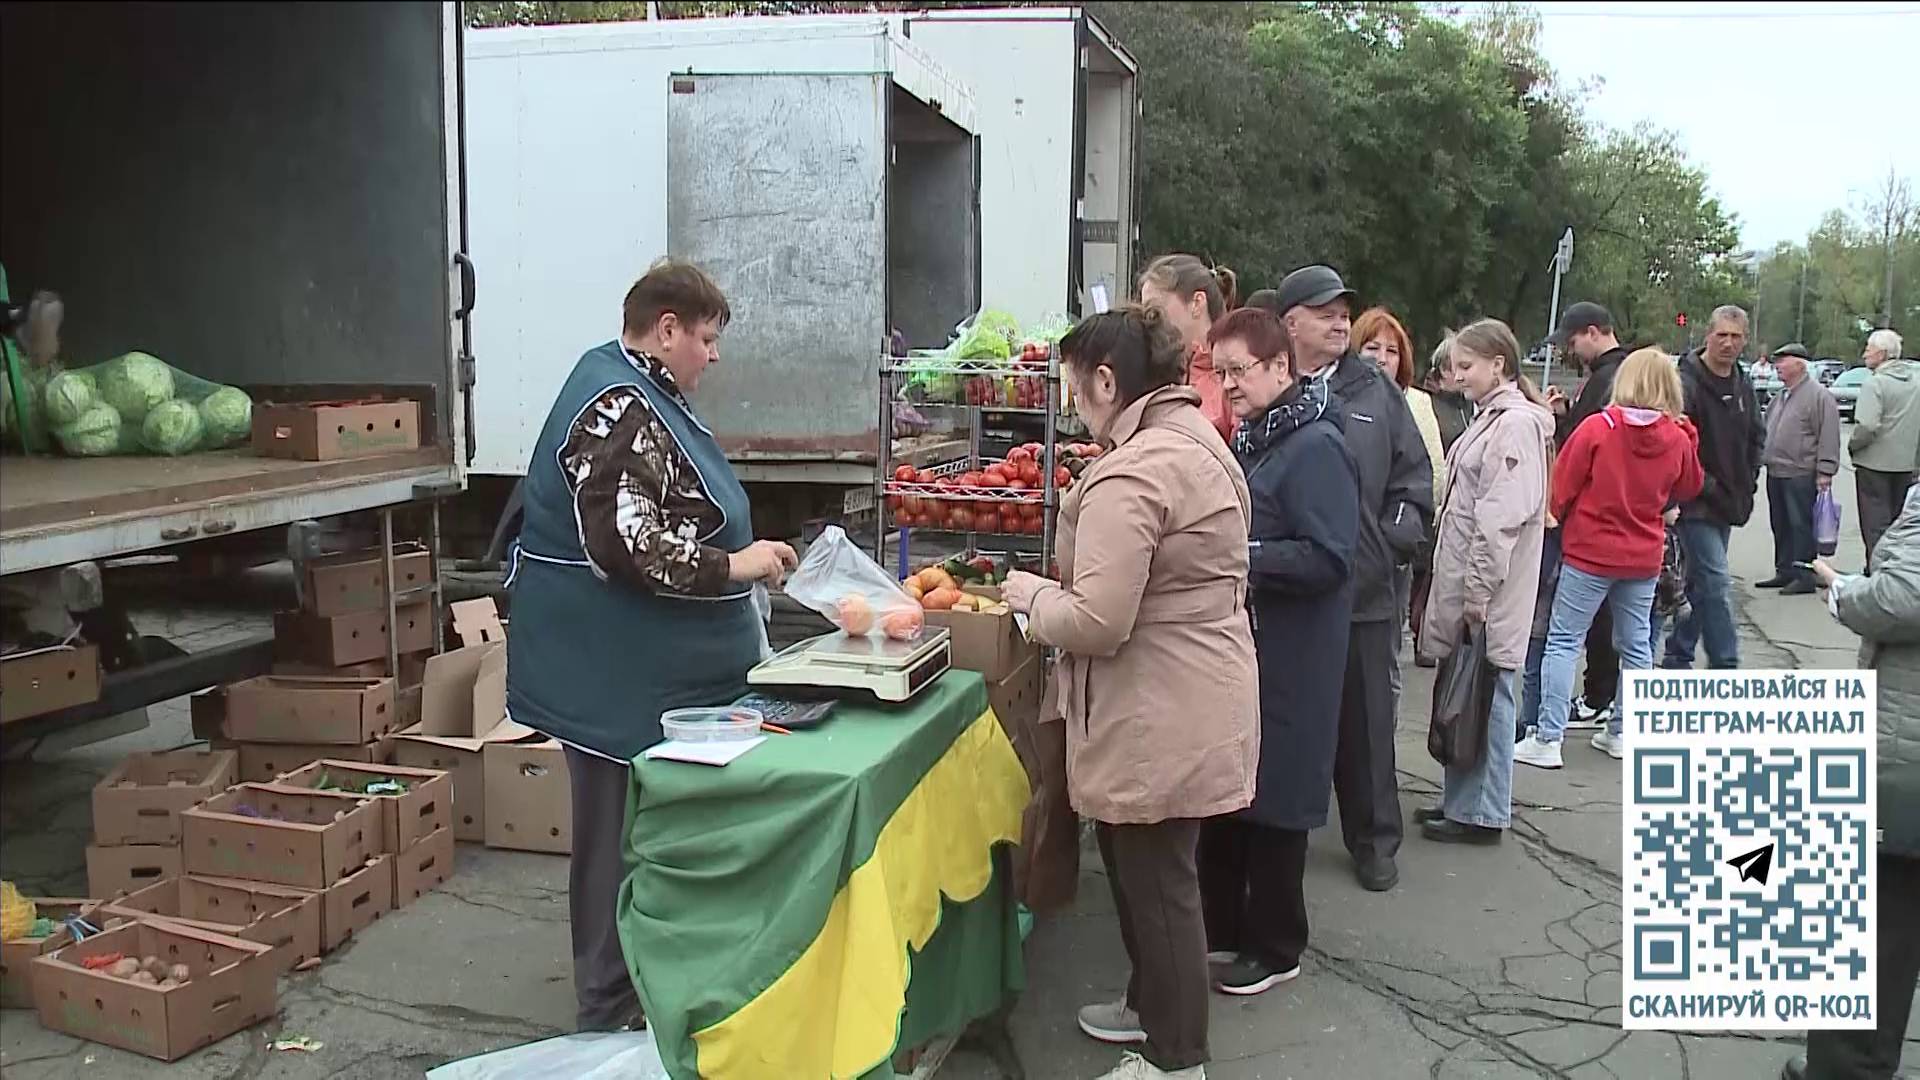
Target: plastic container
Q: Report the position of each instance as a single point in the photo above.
(725, 724)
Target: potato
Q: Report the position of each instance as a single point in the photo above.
(154, 966)
(856, 615)
(168, 984)
(124, 968)
(179, 973)
(145, 978)
(914, 588)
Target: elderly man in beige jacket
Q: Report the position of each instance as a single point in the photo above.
(1802, 454)
(1886, 435)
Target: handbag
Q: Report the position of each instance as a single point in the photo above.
(1462, 702)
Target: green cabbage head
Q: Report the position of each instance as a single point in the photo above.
(133, 384)
(172, 427)
(227, 415)
(96, 433)
(68, 395)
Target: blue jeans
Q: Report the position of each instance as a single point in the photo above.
(1483, 795)
(1530, 688)
(1707, 585)
(1575, 604)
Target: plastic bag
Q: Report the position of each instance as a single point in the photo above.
(841, 582)
(140, 404)
(1462, 702)
(593, 1055)
(1670, 591)
(1826, 522)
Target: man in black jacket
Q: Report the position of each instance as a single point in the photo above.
(1586, 332)
(1723, 408)
(1396, 503)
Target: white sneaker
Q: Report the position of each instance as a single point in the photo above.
(1614, 746)
(1585, 716)
(1540, 755)
(1135, 1067)
(1112, 1022)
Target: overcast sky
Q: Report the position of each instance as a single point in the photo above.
(1792, 108)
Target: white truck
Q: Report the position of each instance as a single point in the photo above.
(842, 176)
(268, 195)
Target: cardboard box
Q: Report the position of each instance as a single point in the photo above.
(412, 667)
(477, 622)
(310, 709)
(422, 868)
(39, 681)
(209, 712)
(284, 919)
(16, 956)
(297, 839)
(262, 763)
(339, 640)
(463, 708)
(139, 802)
(231, 989)
(351, 904)
(406, 819)
(1015, 700)
(329, 430)
(528, 797)
(990, 644)
(356, 580)
(122, 869)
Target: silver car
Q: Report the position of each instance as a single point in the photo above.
(1846, 390)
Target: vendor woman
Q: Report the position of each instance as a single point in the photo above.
(632, 587)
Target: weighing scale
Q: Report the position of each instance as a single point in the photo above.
(836, 663)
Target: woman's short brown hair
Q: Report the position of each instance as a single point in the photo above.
(676, 287)
(1136, 341)
(1373, 323)
(1649, 379)
(1260, 330)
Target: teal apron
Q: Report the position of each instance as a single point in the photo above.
(593, 660)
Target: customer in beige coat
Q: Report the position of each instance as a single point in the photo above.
(1156, 682)
(1486, 565)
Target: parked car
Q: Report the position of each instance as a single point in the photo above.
(1827, 369)
(1766, 381)
(1846, 390)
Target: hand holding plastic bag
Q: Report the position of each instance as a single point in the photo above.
(839, 581)
(1826, 522)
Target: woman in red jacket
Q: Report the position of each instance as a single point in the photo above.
(1615, 478)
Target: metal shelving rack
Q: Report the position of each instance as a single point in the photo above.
(995, 376)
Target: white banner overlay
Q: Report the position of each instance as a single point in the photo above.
(1748, 833)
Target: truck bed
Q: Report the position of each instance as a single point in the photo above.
(57, 510)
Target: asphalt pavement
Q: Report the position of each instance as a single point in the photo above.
(1485, 962)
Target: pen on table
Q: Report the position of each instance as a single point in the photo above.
(775, 728)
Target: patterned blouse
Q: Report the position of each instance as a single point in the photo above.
(637, 494)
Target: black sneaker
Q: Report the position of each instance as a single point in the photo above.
(1802, 587)
(1248, 976)
(1454, 832)
(1376, 873)
(1428, 813)
(1774, 582)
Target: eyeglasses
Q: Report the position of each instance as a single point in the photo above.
(1237, 372)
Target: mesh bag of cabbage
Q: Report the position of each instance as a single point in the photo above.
(140, 404)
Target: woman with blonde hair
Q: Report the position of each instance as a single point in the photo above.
(1192, 296)
(1620, 471)
(1486, 565)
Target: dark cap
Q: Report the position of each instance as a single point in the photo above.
(1793, 348)
(1314, 286)
(1579, 317)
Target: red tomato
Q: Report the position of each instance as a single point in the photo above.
(986, 521)
(1034, 450)
(936, 513)
(1019, 454)
(912, 504)
(893, 503)
(901, 518)
(962, 518)
(970, 480)
(905, 474)
(996, 477)
(1018, 483)
(1062, 479)
(1030, 472)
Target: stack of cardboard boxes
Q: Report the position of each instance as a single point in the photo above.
(137, 815)
(991, 643)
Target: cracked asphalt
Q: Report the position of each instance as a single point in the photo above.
(1484, 962)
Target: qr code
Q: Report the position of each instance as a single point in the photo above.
(1749, 868)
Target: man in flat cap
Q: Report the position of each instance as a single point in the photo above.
(1802, 454)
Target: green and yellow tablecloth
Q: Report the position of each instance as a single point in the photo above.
(829, 897)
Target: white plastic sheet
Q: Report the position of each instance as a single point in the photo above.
(615, 1055)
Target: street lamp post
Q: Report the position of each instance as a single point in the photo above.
(1562, 262)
